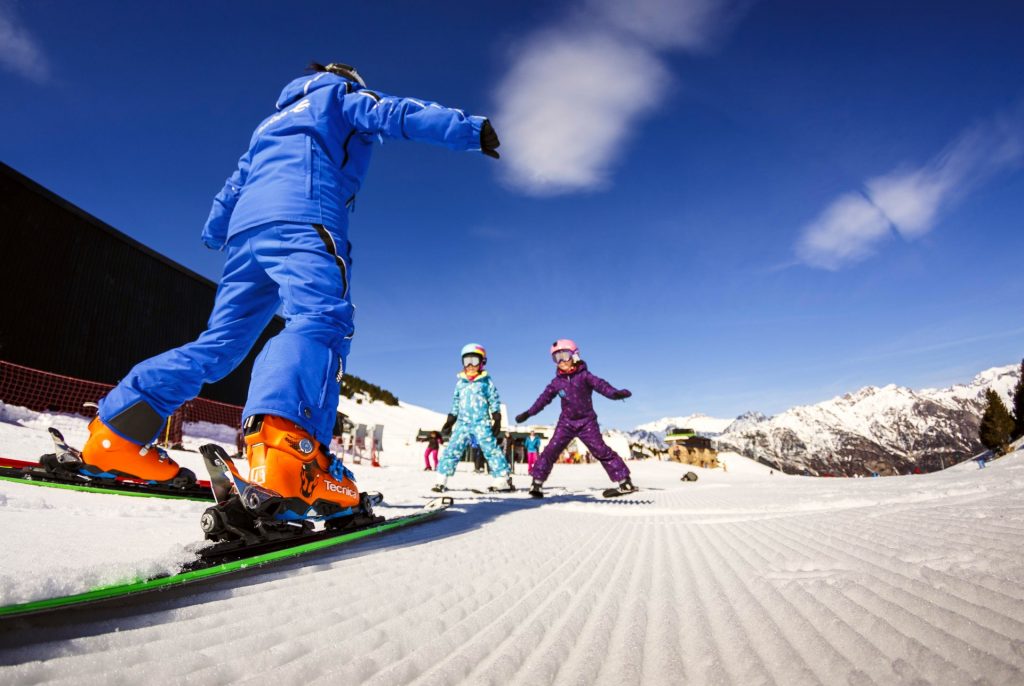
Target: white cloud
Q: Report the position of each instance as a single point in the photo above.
(693, 25)
(847, 231)
(19, 52)
(911, 201)
(567, 108)
(574, 91)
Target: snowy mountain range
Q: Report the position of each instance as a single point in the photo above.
(701, 423)
(652, 434)
(887, 430)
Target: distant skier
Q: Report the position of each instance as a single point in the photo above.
(476, 455)
(282, 221)
(434, 442)
(532, 449)
(575, 385)
(476, 414)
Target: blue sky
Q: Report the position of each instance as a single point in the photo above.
(730, 206)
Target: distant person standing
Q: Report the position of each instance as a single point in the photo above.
(508, 444)
(434, 442)
(479, 464)
(532, 449)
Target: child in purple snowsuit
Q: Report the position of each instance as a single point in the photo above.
(575, 385)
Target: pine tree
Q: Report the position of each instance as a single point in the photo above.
(996, 423)
(351, 384)
(1018, 405)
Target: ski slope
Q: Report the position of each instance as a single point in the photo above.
(743, 577)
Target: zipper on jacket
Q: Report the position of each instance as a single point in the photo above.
(350, 204)
(344, 160)
(344, 278)
(328, 240)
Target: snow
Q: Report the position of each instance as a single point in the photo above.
(701, 423)
(401, 423)
(740, 464)
(741, 577)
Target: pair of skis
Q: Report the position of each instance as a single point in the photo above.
(206, 568)
(229, 557)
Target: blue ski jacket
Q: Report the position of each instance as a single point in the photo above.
(475, 399)
(307, 162)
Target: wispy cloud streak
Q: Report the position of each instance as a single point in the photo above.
(910, 201)
(574, 90)
(19, 51)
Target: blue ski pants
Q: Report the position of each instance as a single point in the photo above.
(301, 269)
(481, 430)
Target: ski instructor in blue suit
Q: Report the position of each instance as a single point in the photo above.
(282, 220)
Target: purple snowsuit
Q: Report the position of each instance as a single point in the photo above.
(577, 419)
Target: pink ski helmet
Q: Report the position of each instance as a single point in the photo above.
(565, 345)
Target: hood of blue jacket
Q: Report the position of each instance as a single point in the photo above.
(304, 85)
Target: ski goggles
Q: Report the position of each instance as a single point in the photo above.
(562, 356)
(472, 360)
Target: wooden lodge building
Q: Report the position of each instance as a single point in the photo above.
(684, 445)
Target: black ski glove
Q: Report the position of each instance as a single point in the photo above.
(522, 417)
(489, 140)
(496, 426)
(446, 430)
(621, 395)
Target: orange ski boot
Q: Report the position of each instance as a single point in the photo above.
(106, 453)
(289, 474)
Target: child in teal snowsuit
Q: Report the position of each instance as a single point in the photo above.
(476, 413)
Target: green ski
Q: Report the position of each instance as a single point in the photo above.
(201, 571)
(33, 478)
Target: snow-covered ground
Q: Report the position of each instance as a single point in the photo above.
(743, 577)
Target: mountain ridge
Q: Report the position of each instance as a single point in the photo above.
(886, 430)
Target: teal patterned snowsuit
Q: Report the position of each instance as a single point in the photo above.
(474, 402)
